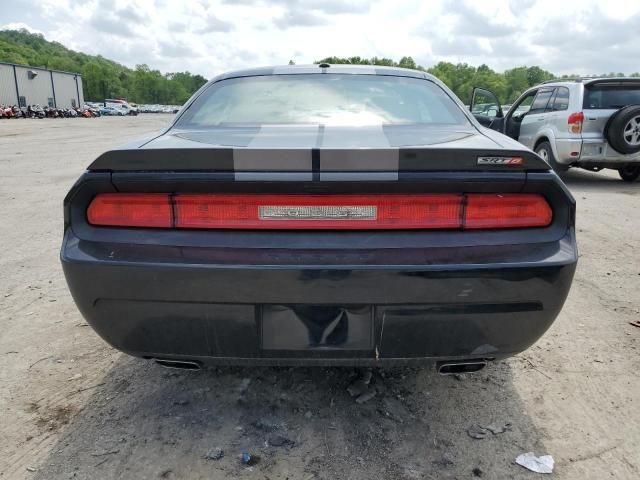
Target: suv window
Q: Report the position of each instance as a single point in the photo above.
(561, 100)
(540, 103)
(524, 106)
(611, 96)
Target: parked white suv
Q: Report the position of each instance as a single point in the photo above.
(122, 106)
(589, 123)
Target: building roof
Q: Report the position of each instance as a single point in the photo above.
(40, 68)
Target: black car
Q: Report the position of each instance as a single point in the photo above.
(331, 215)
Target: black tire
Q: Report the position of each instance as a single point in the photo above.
(630, 173)
(623, 130)
(546, 153)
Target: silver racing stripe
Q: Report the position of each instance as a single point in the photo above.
(273, 176)
(285, 137)
(290, 148)
(271, 151)
(342, 152)
(343, 137)
(271, 160)
(364, 160)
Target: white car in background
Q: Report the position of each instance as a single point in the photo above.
(122, 105)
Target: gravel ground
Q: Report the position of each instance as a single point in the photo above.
(72, 407)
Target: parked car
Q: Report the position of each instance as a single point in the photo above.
(112, 111)
(589, 123)
(121, 105)
(159, 108)
(321, 215)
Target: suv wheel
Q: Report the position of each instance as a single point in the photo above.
(546, 153)
(630, 173)
(623, 131)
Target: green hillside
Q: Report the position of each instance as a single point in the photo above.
(100, 77)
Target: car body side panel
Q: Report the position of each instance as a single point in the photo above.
(529, 128)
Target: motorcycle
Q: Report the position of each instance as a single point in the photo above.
(51, 112)
(7, 112)
(36, 111)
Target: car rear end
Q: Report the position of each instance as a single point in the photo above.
(588, 140)
(282, 251)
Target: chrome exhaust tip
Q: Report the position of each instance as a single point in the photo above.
(462, 366)
(178, 364)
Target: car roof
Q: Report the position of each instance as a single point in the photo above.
(323, 68)
(589, 80)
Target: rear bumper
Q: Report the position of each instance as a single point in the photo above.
(319, 307)
(591, 152)
(597, 152)
(567, 150)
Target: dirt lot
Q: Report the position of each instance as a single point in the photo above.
(71, 407)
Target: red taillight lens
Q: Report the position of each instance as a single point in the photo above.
(506, 211)
(575, 121)
(131, 210)
(320, 212)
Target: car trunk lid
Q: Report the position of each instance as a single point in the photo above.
(319, 153)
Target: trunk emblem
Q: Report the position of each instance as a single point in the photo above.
(318, 212)
(507, 161)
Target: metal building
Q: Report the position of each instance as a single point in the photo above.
(23, 85)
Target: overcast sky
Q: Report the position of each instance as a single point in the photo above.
(212, 36)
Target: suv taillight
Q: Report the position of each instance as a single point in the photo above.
(575, 122)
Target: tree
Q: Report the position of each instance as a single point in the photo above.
(101, 77)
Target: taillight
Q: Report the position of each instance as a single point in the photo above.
(506, 211)
(131, 210)
(320, 212)
(575, 121)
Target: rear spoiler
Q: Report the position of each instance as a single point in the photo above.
(612, 82)
(317, 163)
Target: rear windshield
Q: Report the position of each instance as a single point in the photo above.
(328, 99)
(611, 96)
